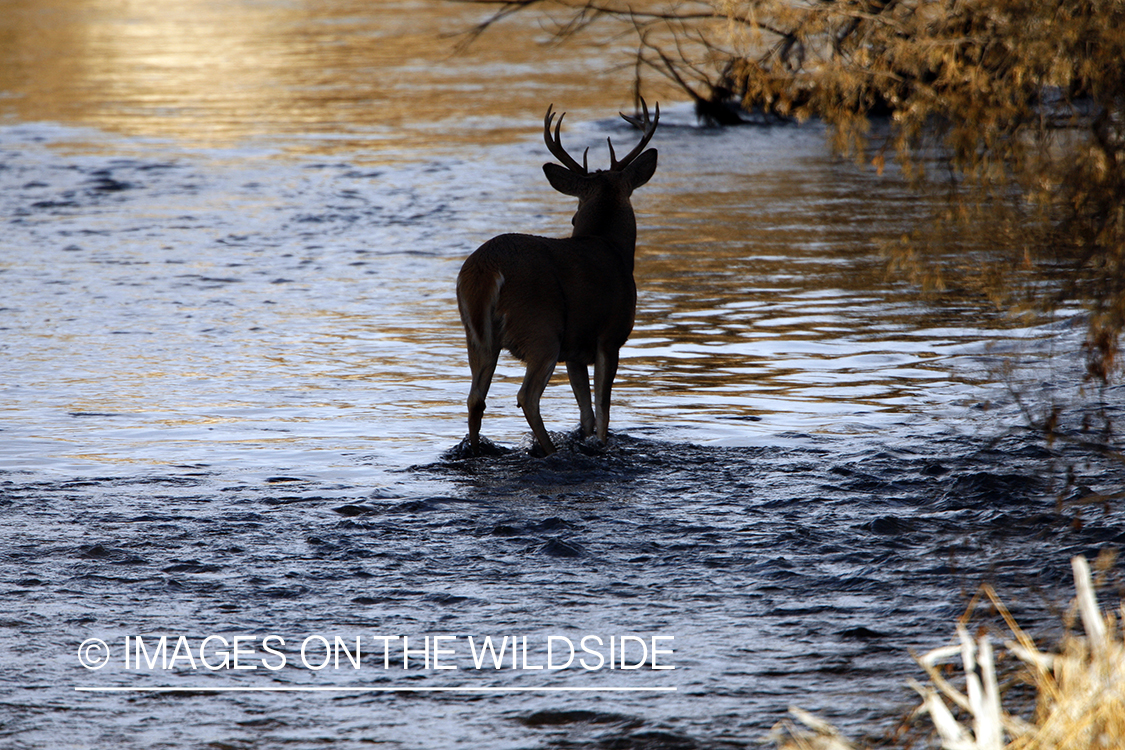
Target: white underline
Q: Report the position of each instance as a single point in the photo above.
(315, 689)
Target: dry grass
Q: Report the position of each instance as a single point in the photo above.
(1080, 689)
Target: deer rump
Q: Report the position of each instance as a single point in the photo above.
(557, 298)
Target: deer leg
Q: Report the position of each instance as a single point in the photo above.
(605, 369)
(535, 380)
(482, 362)
(580, 383)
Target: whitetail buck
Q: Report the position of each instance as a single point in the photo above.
(560, 300)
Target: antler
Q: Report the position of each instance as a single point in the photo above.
(647, 127)
(554, 145)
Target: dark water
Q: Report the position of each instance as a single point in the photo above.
(233, 384)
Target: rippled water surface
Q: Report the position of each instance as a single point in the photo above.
(234, 379)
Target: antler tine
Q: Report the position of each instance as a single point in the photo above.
(646, 126)
(554, 145)
(639, 122)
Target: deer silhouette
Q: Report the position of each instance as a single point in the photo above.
(570, 299)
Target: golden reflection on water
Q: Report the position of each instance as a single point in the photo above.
(768, 288)
(380, 72)
(761, 284)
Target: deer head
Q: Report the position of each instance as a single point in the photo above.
(602, 195)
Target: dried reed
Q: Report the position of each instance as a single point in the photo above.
(1080, 689)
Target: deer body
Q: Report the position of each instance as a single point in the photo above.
(568, 300)
(574, 294)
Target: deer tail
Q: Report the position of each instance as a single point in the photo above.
(478, 293)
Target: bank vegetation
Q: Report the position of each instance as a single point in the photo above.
(1078, 700)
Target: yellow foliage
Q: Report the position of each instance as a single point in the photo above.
(1024, 99)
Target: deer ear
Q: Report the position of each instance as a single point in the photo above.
(562, 179)
(641, 169)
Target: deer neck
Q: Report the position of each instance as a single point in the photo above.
(615, 224)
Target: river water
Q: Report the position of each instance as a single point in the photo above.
(234, 383)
